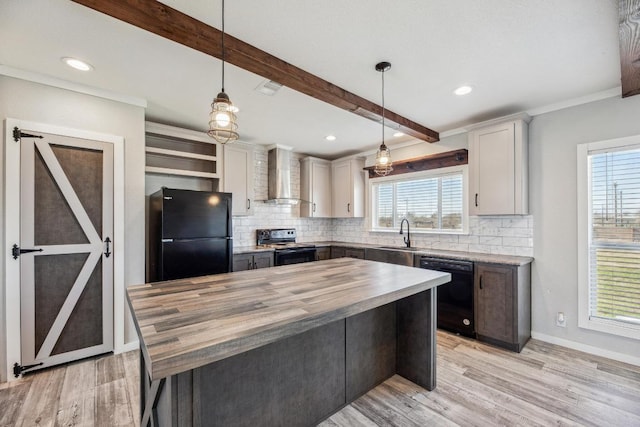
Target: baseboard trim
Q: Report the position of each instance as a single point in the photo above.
(620, 357)
(130, 346)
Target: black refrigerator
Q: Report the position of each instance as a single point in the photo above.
(190, 234)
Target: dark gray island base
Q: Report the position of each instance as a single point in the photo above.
(282, 346)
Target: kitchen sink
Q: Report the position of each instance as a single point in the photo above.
(398, 248)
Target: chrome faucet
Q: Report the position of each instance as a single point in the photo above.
(407, 240)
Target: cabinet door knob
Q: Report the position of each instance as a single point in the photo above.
(476, 200)
(480, 282)
(314, 207)
(348, 207)
(248, 204)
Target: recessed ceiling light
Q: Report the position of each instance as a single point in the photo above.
(77, 64)
(463, 90)
(330, 137)
(398, 134)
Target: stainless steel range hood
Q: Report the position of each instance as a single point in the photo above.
(279, 170)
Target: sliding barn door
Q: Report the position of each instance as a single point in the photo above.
(66, 268)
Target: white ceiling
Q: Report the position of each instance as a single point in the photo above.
(518, 56)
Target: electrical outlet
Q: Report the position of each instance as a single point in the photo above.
(561, 320)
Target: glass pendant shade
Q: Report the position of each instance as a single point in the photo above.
(383, 164)
(222, 120)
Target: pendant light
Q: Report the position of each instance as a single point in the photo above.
(222, 119)
(383, 156)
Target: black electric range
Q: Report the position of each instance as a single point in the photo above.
(286, 250)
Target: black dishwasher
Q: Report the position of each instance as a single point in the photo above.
(455, 299)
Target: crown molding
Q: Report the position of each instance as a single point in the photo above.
(47, 80)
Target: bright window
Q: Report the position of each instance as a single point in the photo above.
(609, 236)
(431, 201)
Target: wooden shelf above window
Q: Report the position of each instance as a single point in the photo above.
(431, 161)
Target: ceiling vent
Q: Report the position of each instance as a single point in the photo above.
(268, 87)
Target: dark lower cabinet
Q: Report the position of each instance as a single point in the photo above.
(323, 253)
(253, 260)
(389, 256)
(263, 260)
(342, 252)
(502, 296)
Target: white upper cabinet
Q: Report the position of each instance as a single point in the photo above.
(315, 187)
(347, 188)
(238, 177)
(498, 169)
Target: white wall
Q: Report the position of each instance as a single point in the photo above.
(553, 138)
(23, 100)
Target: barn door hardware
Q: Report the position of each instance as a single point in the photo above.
(16, 251)
(18, 134)
(107, 241)
(19, 369)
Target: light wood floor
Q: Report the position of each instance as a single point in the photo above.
(478, 385)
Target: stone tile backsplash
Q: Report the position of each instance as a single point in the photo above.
(504, 235)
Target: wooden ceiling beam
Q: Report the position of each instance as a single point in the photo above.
(629, 34)
(162, 20)
(428, 162)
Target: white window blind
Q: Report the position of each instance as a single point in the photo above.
(432, 203)
(614, 242)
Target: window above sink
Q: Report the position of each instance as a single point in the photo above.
(433, 201)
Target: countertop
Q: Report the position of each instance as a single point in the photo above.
(188, 323)
(439, 253)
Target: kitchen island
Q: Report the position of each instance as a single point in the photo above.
(286, 345)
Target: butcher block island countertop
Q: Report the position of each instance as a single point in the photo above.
(185, 324)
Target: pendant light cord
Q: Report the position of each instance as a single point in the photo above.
(383, 106)
(222, 45)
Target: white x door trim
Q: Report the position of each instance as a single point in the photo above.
(12, 235)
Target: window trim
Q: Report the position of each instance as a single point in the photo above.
(431, 173)
(609, 326)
